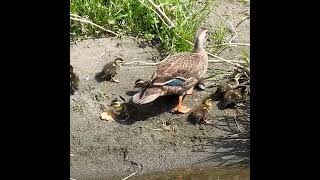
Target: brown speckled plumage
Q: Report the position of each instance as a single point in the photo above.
(185, 68)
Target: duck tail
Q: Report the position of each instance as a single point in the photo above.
(147, 95)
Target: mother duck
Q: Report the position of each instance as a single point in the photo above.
(177, 75)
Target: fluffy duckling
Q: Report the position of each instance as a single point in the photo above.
(110, 70)
(232, 97)
(200, 113)
(74, 81)
(228, 85)
(140, 83)
(118, 111)
(243, 77)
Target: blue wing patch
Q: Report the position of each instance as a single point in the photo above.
(175, 82)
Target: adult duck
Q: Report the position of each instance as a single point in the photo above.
(178, 74)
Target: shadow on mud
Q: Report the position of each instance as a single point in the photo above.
(234, 148)
(146, 111)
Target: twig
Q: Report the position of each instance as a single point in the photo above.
(185, 39)
(157, 129)
(130, 175)
(235, 120)
(231, 44)
(157, 11)
(147, 63)
(243, 19)
(247, 70)
(162, 14)
(142, 63)
(75, 15)
(154, 12)
(236, 139)
(89, 22)
(217, 61)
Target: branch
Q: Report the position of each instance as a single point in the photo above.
(89, 22)
(247, 70)
(162, 14)
(159, 13)
(247, 17)
(129, 176)
(75, 15)
(231, 44)
(146, 63)
(155, 12)
(142, 63)
(235, 120)
(218, 61)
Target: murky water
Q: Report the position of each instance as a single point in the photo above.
(199, 174)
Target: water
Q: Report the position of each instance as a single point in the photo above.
(199, 174)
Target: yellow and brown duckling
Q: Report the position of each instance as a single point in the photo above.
(232, 97)
(74, 81)
(178, 75)
(200, 114)
(118, 111)
(110, 70)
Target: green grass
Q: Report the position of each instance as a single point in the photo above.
(245, 2)
(130, 17)
(245, 56)
(219, 34)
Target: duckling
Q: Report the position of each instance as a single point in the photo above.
(234, 72)
(74, 81)
(228, 85)
(108, 115)
(238, 72)
(200, 113)
(118, 111)
(233, 96)
(140, 83)
(110, 70)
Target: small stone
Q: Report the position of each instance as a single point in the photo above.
(102, 107)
